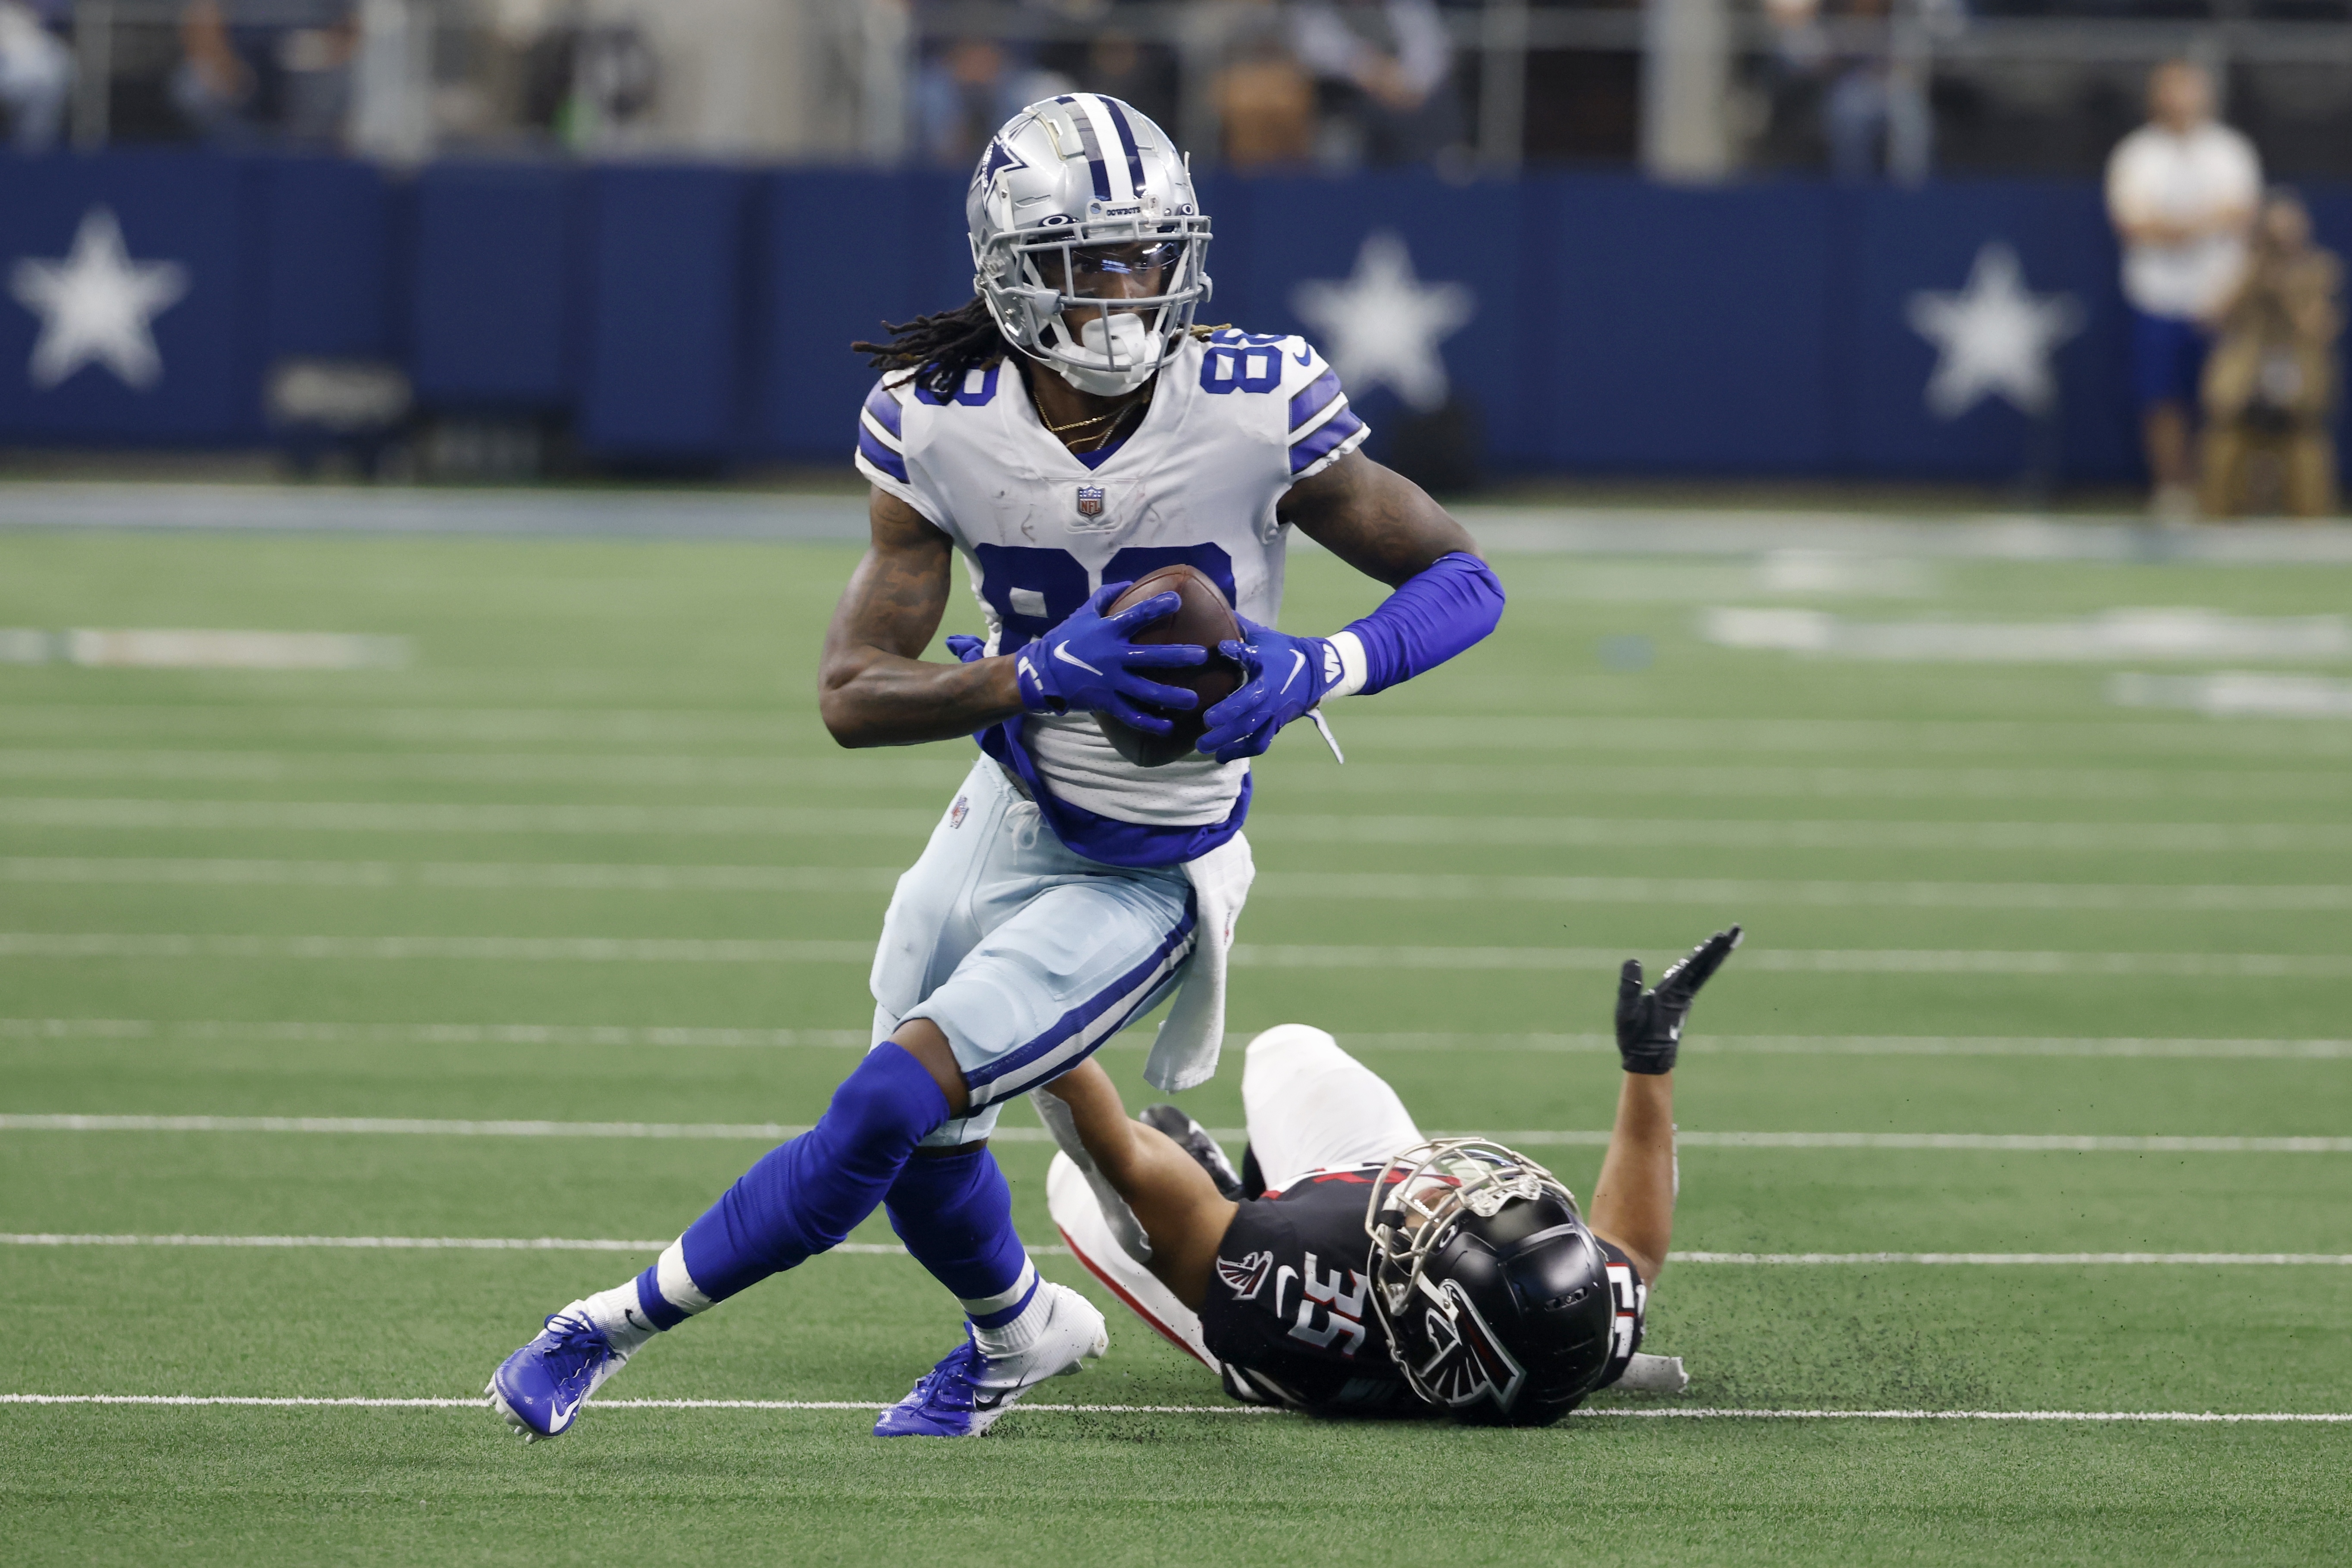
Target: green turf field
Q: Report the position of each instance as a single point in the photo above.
(640, 886)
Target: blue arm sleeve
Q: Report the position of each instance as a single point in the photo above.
(1453, 603)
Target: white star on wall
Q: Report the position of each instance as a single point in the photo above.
(1382, 325)
(95, 305)
(1993, 339)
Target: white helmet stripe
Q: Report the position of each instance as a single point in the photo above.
(1104, 144)
(1091, 144)
(1118, 113)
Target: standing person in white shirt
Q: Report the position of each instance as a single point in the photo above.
(2182, 191)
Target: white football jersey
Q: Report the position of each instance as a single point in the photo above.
(1235, 422)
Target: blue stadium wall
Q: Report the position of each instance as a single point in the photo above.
(686, 315)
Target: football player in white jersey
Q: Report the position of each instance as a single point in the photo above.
(1067, 432)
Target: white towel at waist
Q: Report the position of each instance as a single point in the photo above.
(1184, 1056)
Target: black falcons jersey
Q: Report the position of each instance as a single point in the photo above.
(1290, 1314)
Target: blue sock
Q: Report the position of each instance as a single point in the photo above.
(804, 1197)
(955, 1215)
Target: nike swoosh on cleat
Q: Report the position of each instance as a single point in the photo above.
(1062, 652)
(1297, 663)
(982, 1400)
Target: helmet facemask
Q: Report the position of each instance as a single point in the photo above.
(1448, 1352)
(1106, 303)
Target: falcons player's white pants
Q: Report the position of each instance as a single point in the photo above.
(1313, 1107)
(1310, 1105)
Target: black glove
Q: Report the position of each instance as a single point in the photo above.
(1650, 1023)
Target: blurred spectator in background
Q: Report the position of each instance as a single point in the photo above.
(1875, 115)
(37, 72)
(1265, 103)
(1386, 71)
(588, 81)
(266, 70)
(1869, 102)
(972, 88)
(2271, 385)
(2182, 191)
(1119, 67)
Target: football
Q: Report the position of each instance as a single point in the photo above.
(1204, 620)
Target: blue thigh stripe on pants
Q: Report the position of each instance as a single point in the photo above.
(1076, 1034)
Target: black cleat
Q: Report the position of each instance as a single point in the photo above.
(1194, 1140)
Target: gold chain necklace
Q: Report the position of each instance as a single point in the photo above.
(1114, 416)
(1082, 424)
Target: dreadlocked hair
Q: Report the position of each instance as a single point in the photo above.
(939, 348)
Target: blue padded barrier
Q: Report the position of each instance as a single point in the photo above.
(495, 302)
(664, 372)
(702, 314)
(195, 212)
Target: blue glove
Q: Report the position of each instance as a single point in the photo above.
(1284, 677)
(1087, 664)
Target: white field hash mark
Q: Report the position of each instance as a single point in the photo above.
(772, 1133)
(201, 1031)
(69, 946)
(132, 871)
(2198, 1418)
(887, 1249)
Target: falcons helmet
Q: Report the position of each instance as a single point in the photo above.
(1494, 1295)
(1074, 190)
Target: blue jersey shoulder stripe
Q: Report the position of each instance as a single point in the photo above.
(888, 461)
(873, 427)
(1337, 429)
(1127, 139)
(1315, 399)
(885, 410)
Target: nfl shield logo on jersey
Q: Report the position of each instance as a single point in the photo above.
(1090, 500)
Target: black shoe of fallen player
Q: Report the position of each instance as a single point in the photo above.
(1194, 1140)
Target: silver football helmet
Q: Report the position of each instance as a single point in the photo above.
(1088, 241)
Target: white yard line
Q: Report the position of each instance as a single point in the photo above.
(2192, 898)
(420, 817)
(2196, 1417)
(529, 1035)
(424, 1243)
(1868, 1045)
(769, 1131)
(48, 944)
(877, 1248)
(1507, 831)
(670, 729)
(1812, 961)
(1765, 833)
(2010, 1259)
(202, 1031)
(1392, 779)
(470, 875)
(615, 769)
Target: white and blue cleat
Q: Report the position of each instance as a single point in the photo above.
(964, 1396)
(541, 1387)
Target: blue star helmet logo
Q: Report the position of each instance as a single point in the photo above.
(998, 156)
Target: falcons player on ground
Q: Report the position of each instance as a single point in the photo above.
(1353, 1266)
